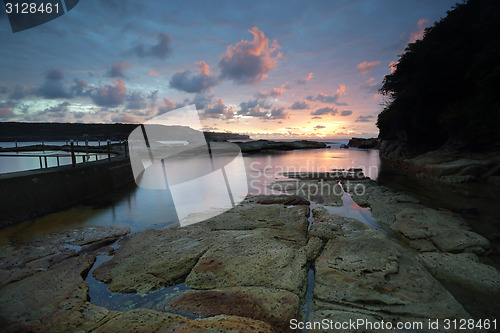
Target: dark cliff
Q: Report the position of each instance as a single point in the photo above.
(445, 91)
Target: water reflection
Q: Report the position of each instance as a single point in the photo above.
(142, 209)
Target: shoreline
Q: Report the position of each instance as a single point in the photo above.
(257, 256)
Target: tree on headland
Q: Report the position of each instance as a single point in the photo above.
(446, 87)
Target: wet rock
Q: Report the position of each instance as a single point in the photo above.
(145, 321)
(153, 259)
(463, 269)
(280, 199)
(54, 300)
(412, 221)
(446, 231)
(327, 193)
(18, 261)
(207, 252)
(344, 318)
(361, 268)
(273, 306)
(262, 257)
(313, 248)
(350, 174)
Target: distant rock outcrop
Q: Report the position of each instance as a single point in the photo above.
(260, 145)
(370, 143)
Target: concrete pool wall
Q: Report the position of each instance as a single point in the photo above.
(28, 194)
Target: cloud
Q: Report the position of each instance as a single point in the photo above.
(58, 111)
(153, 73)
(393, 65)
(122, 118)
(53, 86)
(219, 110)
(325, 98)
(366, 67)
(364, 119)
(168, 105)
(184, 81)
(278, 113)
(250, 61)
(420, 33)
(80, 88)
(306, 79)
(201, 101)
(136, 101)
(253, 108)
(299, 105)
(319, 127)
(20, 92)
(326, 110)
(161, 49)
(118, 69)
(5, 112)
(275, 92)
(316, 117)
(346, 113)
(110, 95)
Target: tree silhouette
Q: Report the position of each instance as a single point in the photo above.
(446, 87)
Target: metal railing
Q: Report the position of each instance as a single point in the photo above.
(85, 156)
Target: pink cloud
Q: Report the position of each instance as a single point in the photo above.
(122, 118)
(306, 79)
(392, 66)
(118, 69)
(250, 61)
(366, 67)
(111, 95)
(275, 92)
(153, 73)
(5, 112)
(420, 33)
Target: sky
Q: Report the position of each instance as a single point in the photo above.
(270, 69)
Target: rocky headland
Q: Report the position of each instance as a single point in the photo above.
(267, 145)
(270, 260)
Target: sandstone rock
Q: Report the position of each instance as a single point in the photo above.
(54, 300)
(341, 317)
(273, 306)
(152, 259)
(361, 268)
(25, 259)
(145, 321)
(323, 192)
(261, 257)
(446, 231)
(313, 248)
(280, 199)
(463, 269)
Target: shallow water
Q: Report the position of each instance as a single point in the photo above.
(142, 209)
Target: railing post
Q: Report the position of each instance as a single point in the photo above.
(125, 145)
(58, 160)
(73, 158)
(41, 165)
(109, 150)
(45, 158)
(16, 144)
